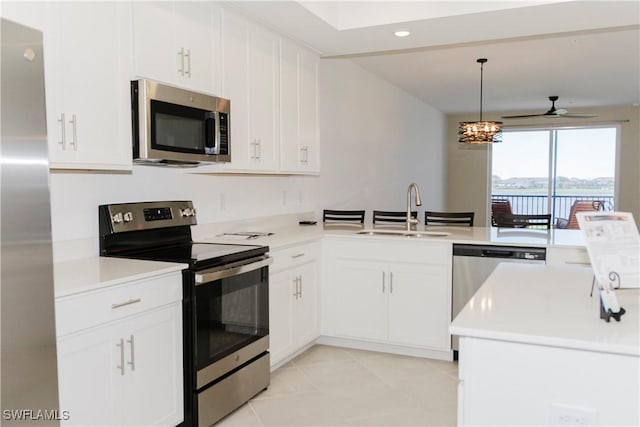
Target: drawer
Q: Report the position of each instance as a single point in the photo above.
(567, 255)
(93, 308)
(294, 255)
(389, 249)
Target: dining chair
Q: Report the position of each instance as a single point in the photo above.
(351, 216)
(449, 218)
(579, 206)
(392, 216)
(498, 208)
(542, 221)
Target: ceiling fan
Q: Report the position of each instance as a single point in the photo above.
(553, 112)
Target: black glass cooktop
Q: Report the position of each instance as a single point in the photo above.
(197, 254)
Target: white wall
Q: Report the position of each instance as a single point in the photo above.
(375, 140)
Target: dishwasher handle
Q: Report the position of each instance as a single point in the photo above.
(500, 251)
(493, 253)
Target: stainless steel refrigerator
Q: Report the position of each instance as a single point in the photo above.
(29, 379)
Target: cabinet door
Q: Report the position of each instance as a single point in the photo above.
(124, 373)
(195, 36)
(298, 109)
(235, 86)
(281, 300)
(306, 316)
(250, 81)
(88, 377)
(309, 143)
(155, 56)
(359, 293)
(418, 305)
(90, 86)
(263, 105)
(152, 386)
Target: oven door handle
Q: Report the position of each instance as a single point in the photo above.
(207, 276)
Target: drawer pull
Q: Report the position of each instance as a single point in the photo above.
(297, 255)
(122, 304)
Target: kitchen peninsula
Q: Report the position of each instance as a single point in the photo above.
(533, 350)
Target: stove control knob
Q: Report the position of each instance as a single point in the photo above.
(128, 217)
(187, 212)
(117, 218)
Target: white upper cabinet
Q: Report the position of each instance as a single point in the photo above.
(250, 81)
(87, 66)
(178, 43)
(299, 148)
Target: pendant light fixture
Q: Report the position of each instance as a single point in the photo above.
(480, 132)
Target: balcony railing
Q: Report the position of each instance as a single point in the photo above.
(539, 204)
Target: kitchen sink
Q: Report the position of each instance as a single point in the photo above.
(404, 233)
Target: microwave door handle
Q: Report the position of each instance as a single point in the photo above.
(212, 133)
(216, 127)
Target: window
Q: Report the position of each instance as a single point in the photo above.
(543, 171)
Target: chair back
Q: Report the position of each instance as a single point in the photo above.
(499, 208)
(330, 215)
(449, 218)
(582, 206)
(392, 216)
(524, 221)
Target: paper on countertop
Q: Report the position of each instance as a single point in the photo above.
(613, 244)
(243, 235)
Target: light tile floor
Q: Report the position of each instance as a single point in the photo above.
(333, 386)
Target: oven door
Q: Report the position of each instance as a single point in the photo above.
(232, 317)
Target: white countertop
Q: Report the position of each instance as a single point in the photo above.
(549, 306)
(77, 275)
(286, 235)
(71, 277)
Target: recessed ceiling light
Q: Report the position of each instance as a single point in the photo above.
(401, 33)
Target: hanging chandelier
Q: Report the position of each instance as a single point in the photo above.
(480, 132)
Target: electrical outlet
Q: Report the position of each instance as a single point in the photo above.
(565, 415)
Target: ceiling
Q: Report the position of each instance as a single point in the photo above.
(586, 52)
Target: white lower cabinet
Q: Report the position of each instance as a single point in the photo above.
(126, 371)
(294, 319)
(389, 292)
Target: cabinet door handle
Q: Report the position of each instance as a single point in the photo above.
(188, 56)
(132, 362)
(63, 125)
(122, 304)
(383, 280)
(74, 129)
(295, 294)
(121, 366)
(300, 281)
(258, 149)
(254, 150)
(181, 69)
(304, 159)
(297, 255)
(391, 282)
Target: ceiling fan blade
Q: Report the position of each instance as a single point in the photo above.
(522, 116)
(553, 112)
(575, 115)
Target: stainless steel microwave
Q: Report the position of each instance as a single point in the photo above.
(178, 127)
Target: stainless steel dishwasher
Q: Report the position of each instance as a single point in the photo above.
(472, 264)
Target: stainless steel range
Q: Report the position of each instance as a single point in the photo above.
(225, 302)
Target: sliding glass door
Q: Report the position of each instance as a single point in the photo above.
(544, 171)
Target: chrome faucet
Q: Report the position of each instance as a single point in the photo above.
(411, 222)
